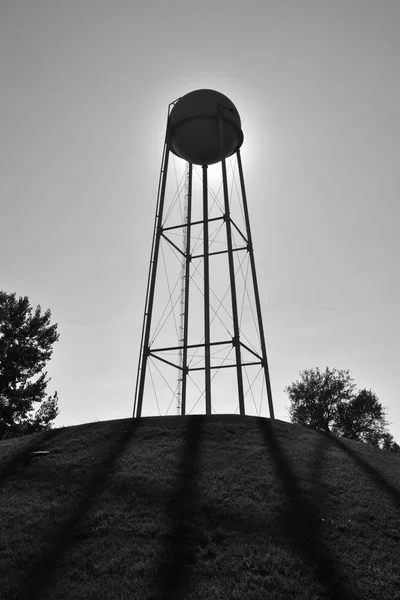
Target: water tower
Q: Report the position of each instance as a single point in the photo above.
(202, 316)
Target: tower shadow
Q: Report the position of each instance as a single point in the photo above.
(42, 574)
(179, 545)
(364, 465)
(302, 519)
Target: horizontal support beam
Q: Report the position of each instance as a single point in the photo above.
(239, 232)
(251, 351)
(251, 364)
(221, 218)
(171, 364)
(173, 245)
(220, 252)
(190, 346)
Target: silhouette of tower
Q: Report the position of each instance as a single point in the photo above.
(202, 336)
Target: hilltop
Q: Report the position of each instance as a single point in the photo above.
(201, 508)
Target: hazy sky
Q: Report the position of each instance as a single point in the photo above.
(85, 87)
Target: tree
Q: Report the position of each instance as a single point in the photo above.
(26, 340)
(328, 401)
(316, 398)
(363, 418)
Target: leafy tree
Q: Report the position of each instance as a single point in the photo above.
(362, 418)
(328, 401)
(316, 398)
(26, 340)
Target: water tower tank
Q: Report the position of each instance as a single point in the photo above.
(193, 132)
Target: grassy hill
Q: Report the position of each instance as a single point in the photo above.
(221, 507)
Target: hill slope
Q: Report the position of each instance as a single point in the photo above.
(219, 507)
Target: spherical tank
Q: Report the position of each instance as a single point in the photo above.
(193, 127)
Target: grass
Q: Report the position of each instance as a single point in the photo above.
(200, 508)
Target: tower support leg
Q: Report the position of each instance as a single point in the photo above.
(187, 282)
(255, 286)
(150, 288)
(235, 317)
(207, 358)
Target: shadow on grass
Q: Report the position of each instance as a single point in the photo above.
(317, 467)
(20, 457)
(371, 471)
(179, 545)
(302, 521)
(44, 569)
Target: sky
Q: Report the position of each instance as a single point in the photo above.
(85, 89)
